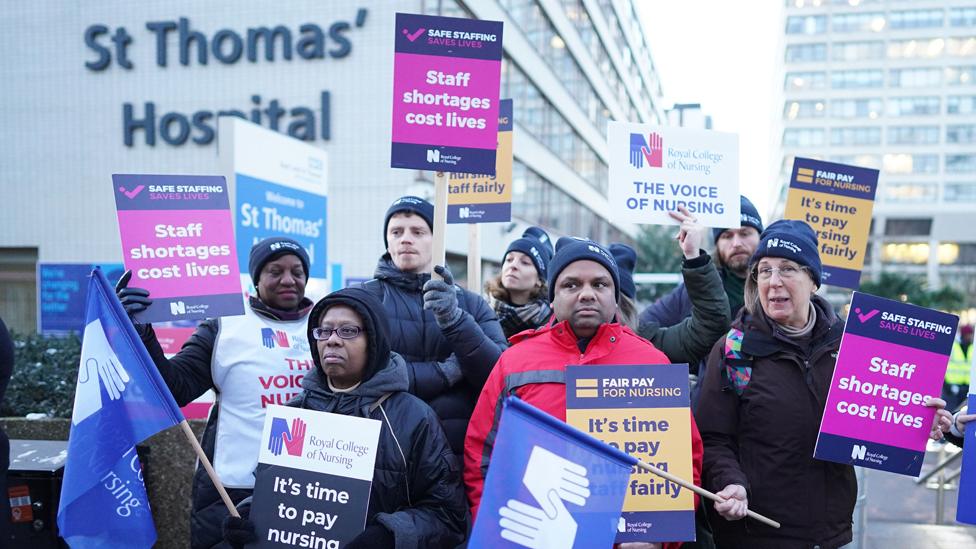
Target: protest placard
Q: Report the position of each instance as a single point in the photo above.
(178, 241)
(474, 198)
(836, 200)
(446, 77)
(655, 169)
(62, 290)
(314, 477)
(891, 357)
(643, 411)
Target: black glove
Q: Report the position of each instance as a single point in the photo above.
(440, 297)
(373, 537)
(133, 300)
(238, 531)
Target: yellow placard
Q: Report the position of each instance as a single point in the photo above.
(842, 224)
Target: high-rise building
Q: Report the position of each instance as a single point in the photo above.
(114, 87)
(891, 85)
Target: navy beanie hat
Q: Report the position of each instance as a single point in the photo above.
(626, 258)
(536, 244)
(272, 248)
(412, 204)
(748, 215)
(570, 249)
(793, 240)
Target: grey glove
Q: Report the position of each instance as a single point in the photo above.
(440, 296)
(451, 370)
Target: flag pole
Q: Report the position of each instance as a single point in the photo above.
(209, 468)
(440, 221)
(474, 258)
(701, 491)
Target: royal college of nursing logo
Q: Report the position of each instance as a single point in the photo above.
(291, 440)
(651, 150)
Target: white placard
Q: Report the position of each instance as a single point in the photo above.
(654, 169)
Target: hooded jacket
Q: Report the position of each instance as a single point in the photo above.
(764, 439)
(476, 341)
(416, 491)
(534, 370)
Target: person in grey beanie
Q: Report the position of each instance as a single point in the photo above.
(519, 294)
(250, 361)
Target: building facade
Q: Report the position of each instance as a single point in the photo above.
(891, 85)
(102, 87)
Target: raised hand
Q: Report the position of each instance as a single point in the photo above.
(133, 300)
(690, 233)
(655, 153)
(440, 296)
(293, 443)
(279, 427)
(531, 527)
(637, 144)
(268, 338)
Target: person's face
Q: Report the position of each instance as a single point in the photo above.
(584, 296)
(518, 272)
(409, 242)
(784, 291)
(735, 248)
(342, 360)
(281, 284)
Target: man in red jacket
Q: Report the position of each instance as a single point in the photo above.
(584, 288)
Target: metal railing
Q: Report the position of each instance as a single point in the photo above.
(944, 480)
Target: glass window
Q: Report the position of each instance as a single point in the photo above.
(915, 19)
(960, 163)
(857, 51)
(961, 133)
(910, 192)
(858, 22)
(960, 192)
(961, 104)
(962, 17)
(813, 108)
(913, 135)
(804, 53)
(960, 75)
(901, 164)
(908, 227)
(803, 137)
(916, 49)
(905, 253)
(805, 80)
(856, 108)
(806, 24)
(961, 47)
(966, 254)
(872, 78)
(872, 161)
(914, 106)
(915, 77)
(855, 136)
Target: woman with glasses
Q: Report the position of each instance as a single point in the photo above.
(416, 499)
(762, 400)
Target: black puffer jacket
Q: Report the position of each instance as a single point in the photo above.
(764, 439)
(476, 341)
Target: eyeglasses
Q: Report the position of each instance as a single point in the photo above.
(344, 332)
(786, 273)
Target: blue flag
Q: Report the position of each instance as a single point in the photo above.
(549, 485)
(120, 400)
(966, 506)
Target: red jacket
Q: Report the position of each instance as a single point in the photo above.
(534, 370)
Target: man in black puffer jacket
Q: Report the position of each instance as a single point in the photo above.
(449, 337)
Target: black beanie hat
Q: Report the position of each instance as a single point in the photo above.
(375, 324)
(570, 249)
(748, 215)
(272, 248)
(793, 240)
(536, 244)
(626, 258)
(412, 204)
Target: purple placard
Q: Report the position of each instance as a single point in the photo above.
(446, 79)
(178, 241)
(891, 357)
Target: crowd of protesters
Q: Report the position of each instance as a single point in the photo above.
(433, 361)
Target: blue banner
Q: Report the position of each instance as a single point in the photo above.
(120, 400)
(966, 507)
(61, 292)
(549, 485)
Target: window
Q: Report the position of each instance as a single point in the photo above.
(960, 75)
(858, 22)
(905, 253)
(855, 136)
(960, 192)
(813, 108)
(915, 77)
(961, 133)
(856, 108)
(910, 192)
(908, 227)
(967, 254)
(913, 135)
(806, 24)
(805, 80)
(902, 164)
(961, 47)
(915, 19)
(803, 137)
(804, 53)
(916, 49)
(873, 78)
(960, 163)
(914, 106)
(872, 161)
(962, 17)
(961, 104)
(857, 51)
